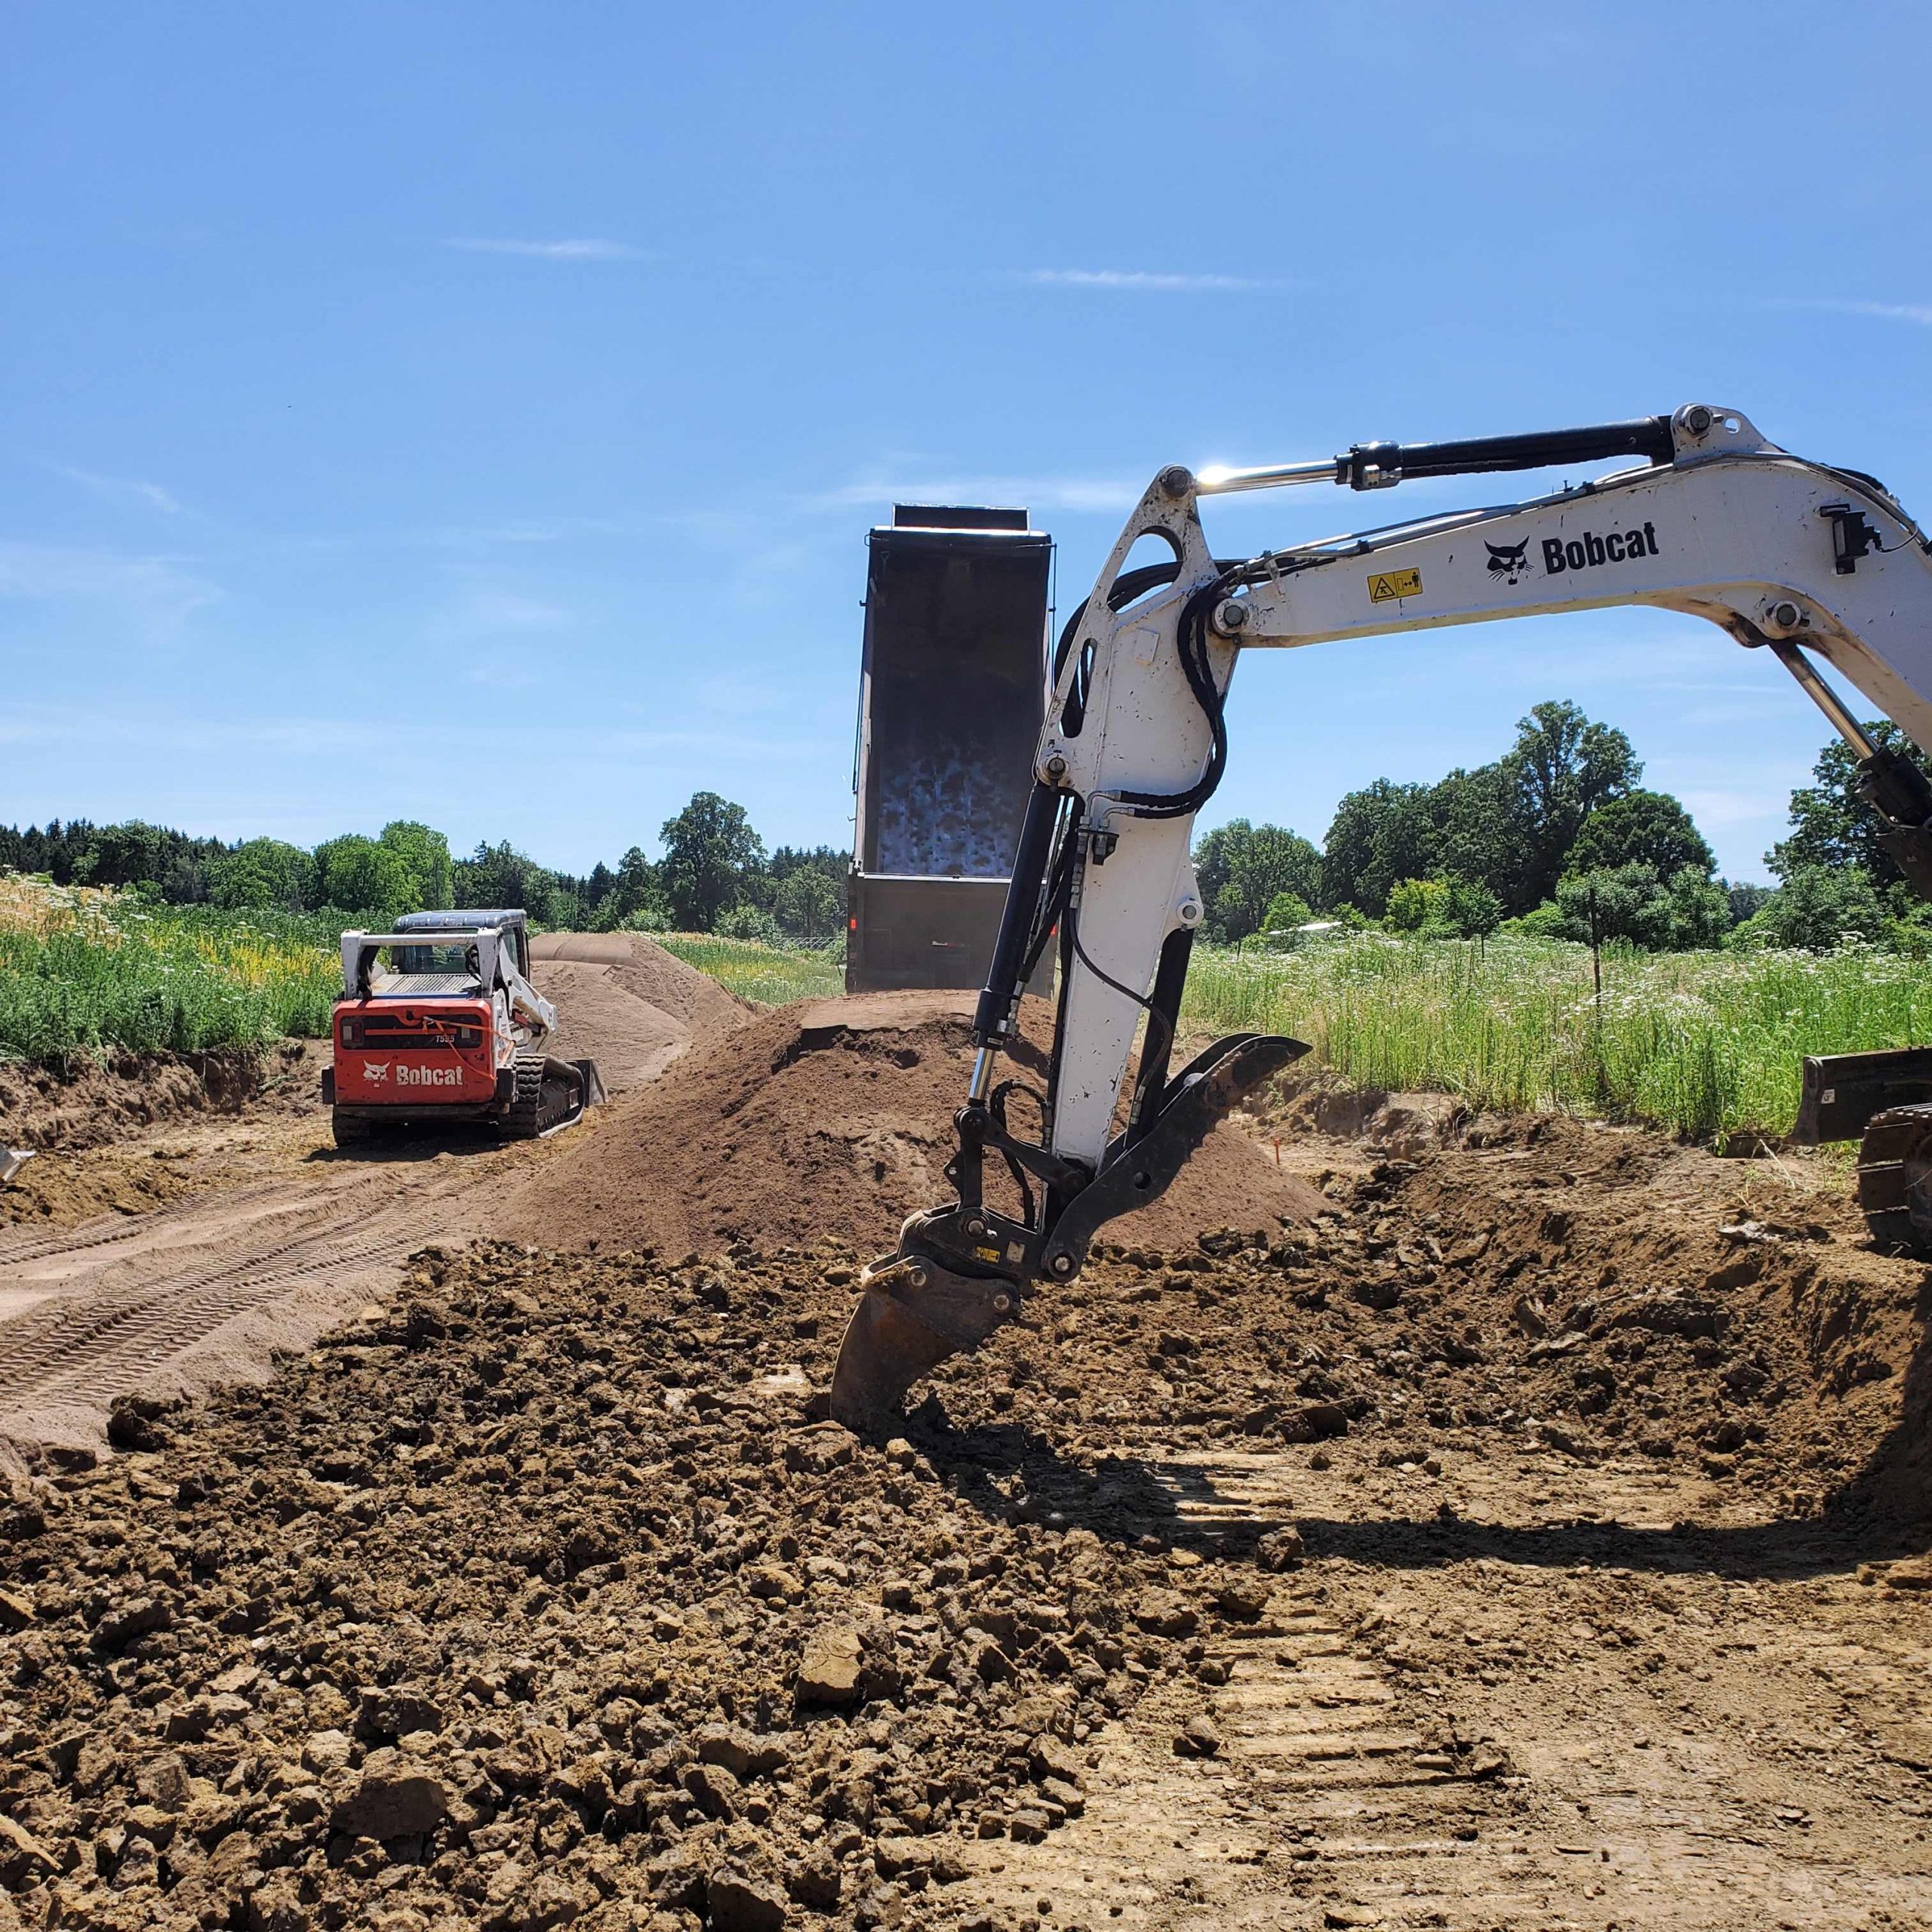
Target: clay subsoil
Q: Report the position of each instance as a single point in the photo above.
(1455, 1522)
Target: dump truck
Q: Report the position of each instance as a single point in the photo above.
(952, 689)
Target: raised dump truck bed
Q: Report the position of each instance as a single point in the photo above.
(952, 691)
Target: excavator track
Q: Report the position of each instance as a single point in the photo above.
(550, 1096)
(1895, 1179)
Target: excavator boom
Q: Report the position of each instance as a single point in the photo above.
(1799, 559)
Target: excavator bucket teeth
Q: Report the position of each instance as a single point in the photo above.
(911, 1316)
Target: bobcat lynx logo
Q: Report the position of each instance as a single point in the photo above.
(375, 1071)
(1507, 561)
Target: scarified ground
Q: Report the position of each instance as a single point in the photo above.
(1480, 1523)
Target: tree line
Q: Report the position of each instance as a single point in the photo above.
(1559, 838)
(714, 875)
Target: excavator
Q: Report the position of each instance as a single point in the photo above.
(1800, 560)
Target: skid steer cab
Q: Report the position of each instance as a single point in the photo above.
(438, 1023)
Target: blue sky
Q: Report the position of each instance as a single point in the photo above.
(475, 413)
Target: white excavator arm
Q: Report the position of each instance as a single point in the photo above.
(1786, 555)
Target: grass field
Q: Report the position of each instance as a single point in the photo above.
(771, 975)
(1707, 1044)
(83, 971)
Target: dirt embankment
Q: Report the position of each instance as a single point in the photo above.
(96, 1102)
(1616, 1292)
(833, 1118)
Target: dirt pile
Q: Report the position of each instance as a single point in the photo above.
(1509, 1499)
(1507, 1286)
(97, 1101)
(624, 1001)
(643, 968)
(535, 1599)
(833, 1118)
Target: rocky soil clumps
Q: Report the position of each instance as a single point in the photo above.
(1600, 1296)
(539, 1599)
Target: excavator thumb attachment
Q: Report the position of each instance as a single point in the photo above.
(912, 1315)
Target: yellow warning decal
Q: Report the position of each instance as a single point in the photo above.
(1387, 585)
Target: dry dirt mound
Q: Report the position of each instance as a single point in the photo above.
(599, 1018)
(643, 968)
(625, 1002)
(529, 1603)
(834, 1118)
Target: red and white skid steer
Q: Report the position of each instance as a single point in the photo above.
(438, 1022)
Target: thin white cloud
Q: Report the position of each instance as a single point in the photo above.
(159, 734)
(1039, 492)
(1146, 281)
(157, 594)
(123, 488)
(506, 610)
(1917, 313)
(587, 249)
(1719, 806)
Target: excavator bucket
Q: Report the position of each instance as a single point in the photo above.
(912, 1315)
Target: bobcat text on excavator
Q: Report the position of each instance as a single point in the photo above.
(1798, 558)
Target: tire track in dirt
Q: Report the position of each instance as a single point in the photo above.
(124, 1325)
(211, 1289)
(1475, 1743)
(110, 1230)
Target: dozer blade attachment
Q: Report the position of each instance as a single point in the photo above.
(913, 1314)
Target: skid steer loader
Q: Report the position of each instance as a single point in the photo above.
(438, 1022)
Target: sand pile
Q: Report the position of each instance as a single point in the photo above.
(627, 1004)
(834, 1118)
(641, 966)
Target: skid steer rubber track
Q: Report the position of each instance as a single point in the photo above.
(348, 1130)
(1895, 1179)
(551, 1095)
